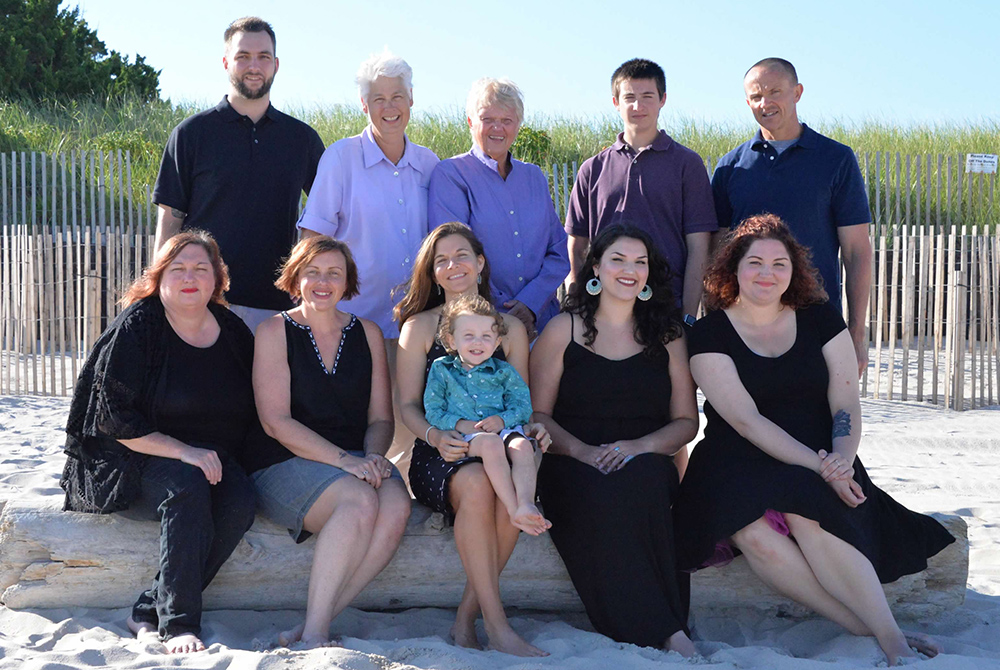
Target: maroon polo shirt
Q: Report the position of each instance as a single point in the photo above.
(662, 189)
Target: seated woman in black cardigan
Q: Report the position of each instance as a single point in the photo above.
(161, 412)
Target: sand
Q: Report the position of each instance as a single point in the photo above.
(928, 458)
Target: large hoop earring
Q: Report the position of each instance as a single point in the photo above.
(646, 293)
(594, 286)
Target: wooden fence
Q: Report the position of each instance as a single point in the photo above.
(75, 232)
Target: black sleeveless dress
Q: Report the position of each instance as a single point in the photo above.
(615, 532)
(429, 473)
(730, 483)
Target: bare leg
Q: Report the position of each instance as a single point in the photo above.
(850, 577)
(490, 448)
(523, 470)
(474, 503)
(390, 524)
(464, 630)
(343, 519)
(779, 563)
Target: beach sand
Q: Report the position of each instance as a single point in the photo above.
(928, 458)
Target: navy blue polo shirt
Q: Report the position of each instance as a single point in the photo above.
(815, 186)
(243, 183)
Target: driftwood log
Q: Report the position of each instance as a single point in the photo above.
(54, 559)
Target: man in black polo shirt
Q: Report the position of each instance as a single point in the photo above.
(238, 171)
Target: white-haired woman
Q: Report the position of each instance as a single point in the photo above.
(506, 203)
(371, 192)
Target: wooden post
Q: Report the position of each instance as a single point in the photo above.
(880, 319)
(939, 313)
(926, 242)
(893, 308)
(909, 289)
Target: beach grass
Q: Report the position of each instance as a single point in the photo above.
(142, 129)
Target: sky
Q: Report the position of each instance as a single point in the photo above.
(902, 63)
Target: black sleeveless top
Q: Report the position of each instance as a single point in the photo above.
(334, 402)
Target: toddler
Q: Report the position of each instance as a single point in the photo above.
(486, 401)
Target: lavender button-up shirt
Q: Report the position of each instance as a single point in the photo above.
(514, 219)
(379, 210)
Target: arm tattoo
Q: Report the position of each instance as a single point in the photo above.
(177, 214)
(841, 424)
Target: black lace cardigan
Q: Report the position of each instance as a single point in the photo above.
(113, 399)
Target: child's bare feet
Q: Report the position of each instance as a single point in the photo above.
(509, 642)
(529, 519)
(682, 644)
(143, 631)
(184, 644)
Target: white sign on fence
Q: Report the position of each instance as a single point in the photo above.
(985, 163)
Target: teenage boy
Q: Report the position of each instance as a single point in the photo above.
(648, 180)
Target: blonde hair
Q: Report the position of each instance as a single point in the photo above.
(491, 91)
(475, 305)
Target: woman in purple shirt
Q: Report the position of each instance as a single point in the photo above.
(506, 203)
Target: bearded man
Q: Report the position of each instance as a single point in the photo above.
(238, 171)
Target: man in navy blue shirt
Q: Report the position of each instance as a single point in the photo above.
(812, 182)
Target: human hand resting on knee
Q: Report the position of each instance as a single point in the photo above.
(617, 454)
(204, 459)
(540, 434)
(449, 444)
(491, 424)
(849, 491)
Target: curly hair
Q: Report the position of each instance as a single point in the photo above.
(149, 282)
(467, 304)
(657, 320)
(303, 253)
(722, 286)
(418, 294)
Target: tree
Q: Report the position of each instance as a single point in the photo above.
(50, 52)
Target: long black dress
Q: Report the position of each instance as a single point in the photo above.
(731, 483)
(615, 532)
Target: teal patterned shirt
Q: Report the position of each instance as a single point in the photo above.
(492, 387)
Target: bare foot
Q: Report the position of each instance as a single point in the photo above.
(290, 636)
(924, 644)
(144, 632)
(184, 644)
(530, 520)
(898, 653)
(682, 644)
(509, 642)
(306, 643)
(463, 634)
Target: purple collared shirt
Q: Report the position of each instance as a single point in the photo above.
(379, 210)
(662, 189)
(514, 219)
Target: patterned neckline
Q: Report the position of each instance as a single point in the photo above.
(319, 356)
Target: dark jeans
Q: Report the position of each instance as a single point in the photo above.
(200, 526)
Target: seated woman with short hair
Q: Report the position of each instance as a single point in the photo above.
(322, 388)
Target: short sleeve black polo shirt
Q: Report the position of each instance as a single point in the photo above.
(243, 183)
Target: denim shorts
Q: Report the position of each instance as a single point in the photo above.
(286, 491)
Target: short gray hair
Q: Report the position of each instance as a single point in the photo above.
(385, 64)
(491, 91)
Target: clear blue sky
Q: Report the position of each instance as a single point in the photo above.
(923, 61)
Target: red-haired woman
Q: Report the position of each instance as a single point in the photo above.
(161, 413)
(777, 475)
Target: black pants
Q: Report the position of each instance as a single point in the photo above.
(200, 526)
